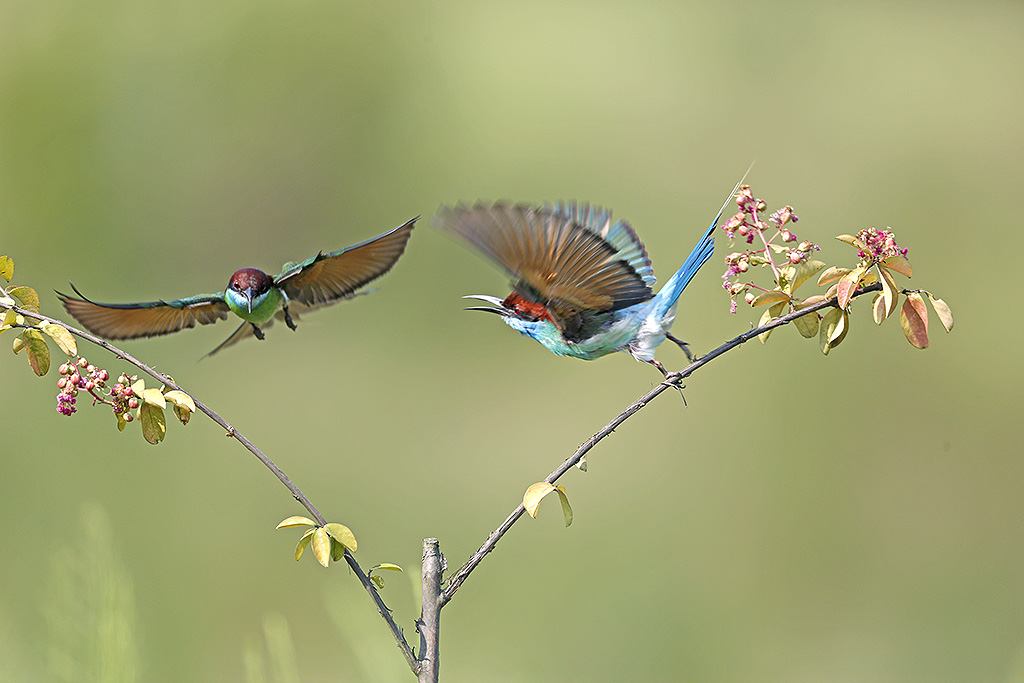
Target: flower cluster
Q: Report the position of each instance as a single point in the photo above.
(881, 244)
(748, 224)
(83, 375)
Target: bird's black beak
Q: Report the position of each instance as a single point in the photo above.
(498, 303)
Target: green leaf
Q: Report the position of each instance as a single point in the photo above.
(303, 542)
(184, 406)
(6, 267)
(890, 294)
(914, 320)
(853, 242)
(377, 581)
(297, 520)
(831, 274)
(65, 340)
(342, 534)
(37, 351)
(121, 421)
(898, 264)
(154, 424)
(806, 325)
(773, 296)
(847, 285)
(535, 494)
(321, 546)
(942, 310)
(337, 550)
(566, 508)
(27, 296)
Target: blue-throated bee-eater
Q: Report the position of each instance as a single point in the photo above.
(581, 281)
(251, 294)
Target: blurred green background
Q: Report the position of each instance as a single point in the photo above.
(851, 518)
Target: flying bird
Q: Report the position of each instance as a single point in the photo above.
(582, 283)
(251, 294)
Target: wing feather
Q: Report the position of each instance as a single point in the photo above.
(149, 319)
(561, 253)
(325, 278)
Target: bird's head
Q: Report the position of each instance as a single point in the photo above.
(248, 286)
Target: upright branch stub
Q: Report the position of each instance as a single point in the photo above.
(429, 623)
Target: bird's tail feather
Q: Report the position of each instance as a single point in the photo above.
(669, 294)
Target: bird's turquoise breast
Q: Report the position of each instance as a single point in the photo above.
(263, 307)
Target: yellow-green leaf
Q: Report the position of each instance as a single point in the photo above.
(890, 294)
(154, 398)
(296, 520)
(773, 312)
(6, 267)
(582, 464)
(184, 406)
(153, 422)
(337, 550)
(878, 308)
(773, 296)
(37, 351)
(377, 580)
(566, 508)
(914, 320)
(898, 264)
(342, 534)
(303, 542)
(853, 242)
(121, 421)
(321, 546)
(942, 310)
(806, 325)
(138, 386)
(829, 324)
(831, 275)
(804, 272)
(535, 494)
(27, 296)
(847, 285)
(65, 340)
(10, 319)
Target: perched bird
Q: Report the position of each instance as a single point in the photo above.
(581, 282)
(252, 295)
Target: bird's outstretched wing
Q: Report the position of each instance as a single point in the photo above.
(570, 258)
(325, 278)
(149, 319)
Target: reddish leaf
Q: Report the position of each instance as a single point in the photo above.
(914, 320)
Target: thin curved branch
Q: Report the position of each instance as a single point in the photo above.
(382, 608)
(671, 381)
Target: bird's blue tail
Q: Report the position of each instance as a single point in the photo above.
(669, 294)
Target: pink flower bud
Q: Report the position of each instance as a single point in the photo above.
(749, 298)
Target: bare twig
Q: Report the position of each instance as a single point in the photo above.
(403, 645)
(672, 381)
